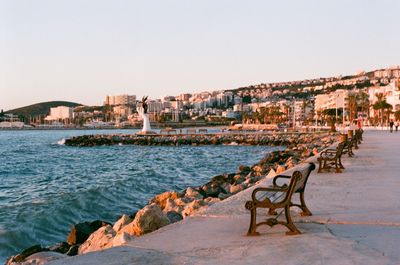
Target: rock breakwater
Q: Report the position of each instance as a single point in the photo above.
(173, 206)
(271, 139)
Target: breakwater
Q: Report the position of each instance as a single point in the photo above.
(271, 139)
(172, 206)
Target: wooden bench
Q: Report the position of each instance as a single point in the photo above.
(348, 147)
(331, 158)
(279, 196)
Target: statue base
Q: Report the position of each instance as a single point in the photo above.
(146, 126)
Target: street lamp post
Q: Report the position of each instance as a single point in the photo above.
(343, 115)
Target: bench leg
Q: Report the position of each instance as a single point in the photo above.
(306, 211)
(337, 167)
(253, 222)
(350, 152)
(320, 165)
(340, 163)
(289, 223)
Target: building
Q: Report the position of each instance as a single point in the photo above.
(391, 93)
(120, 100)
(336, 99)
(122, 111)
(155, 106)
(391, 72)
(60, 113)
(184, 97)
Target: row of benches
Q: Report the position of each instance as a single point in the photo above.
(279, 195)
(332, 158)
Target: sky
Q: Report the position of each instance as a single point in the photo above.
(83, 50)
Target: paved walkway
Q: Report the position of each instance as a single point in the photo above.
(356, 221)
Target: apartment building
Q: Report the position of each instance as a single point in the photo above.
(120, 100)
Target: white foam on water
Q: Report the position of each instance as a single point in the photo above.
(61, 142)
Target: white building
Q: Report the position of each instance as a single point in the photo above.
(60, 113)
(120, 100)
(336, 99)
(391, 93)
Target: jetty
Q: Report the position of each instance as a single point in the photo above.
(356, 220)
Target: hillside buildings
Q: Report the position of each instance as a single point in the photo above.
(297, 102)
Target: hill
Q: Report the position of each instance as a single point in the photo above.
(41, 108)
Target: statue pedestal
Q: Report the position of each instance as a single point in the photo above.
(146, 126)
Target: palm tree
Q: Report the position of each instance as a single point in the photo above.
(330, 117)
(363, 99)
(352, 105)
(397, 115)
(381, 105)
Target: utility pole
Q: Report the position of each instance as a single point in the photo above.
(294, 113)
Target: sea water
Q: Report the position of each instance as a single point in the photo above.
(46, 187)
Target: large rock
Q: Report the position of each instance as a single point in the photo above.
(123, 221)
(192, 208)
(100, 239)
(147, 220)
(80, 232)
(244, 169)
(280, 169)
(73, 250)
(172, 206)
(41, 258)
(211, 189)
(192, 193)
(62, 247)
(24, 254)
(238, 179)
(236, 188)
(121, 239)
(162, 198)
(174, 216)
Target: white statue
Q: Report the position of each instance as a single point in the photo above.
(142, 110)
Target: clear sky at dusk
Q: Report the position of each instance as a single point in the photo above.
(83, 50)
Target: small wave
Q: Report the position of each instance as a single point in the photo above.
(61, 142)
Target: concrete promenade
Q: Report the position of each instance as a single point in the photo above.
(356, 220)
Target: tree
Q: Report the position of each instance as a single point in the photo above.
(381, 106)
(352, 106)
(363, 99)
(397, 115)
(330, 117)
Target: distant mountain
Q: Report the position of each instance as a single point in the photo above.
(41, 108)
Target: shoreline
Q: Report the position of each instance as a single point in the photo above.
(173, 206)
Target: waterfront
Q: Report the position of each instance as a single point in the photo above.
(46, 187)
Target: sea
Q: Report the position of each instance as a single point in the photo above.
(46, 187)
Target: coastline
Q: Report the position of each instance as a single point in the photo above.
(195, 200)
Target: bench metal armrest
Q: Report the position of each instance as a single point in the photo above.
(278, 177)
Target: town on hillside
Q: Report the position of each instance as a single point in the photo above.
(372, 97)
